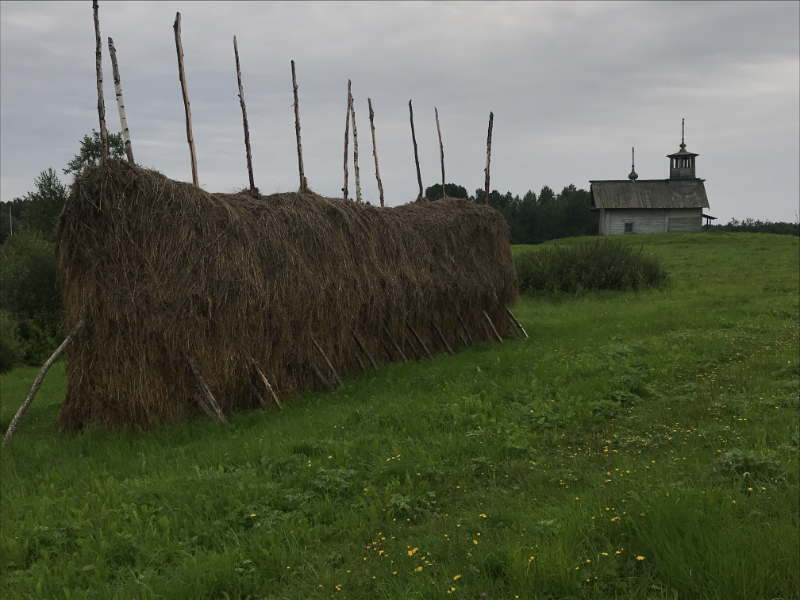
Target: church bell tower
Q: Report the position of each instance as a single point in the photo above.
(681, 164)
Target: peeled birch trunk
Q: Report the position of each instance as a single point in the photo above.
(101, 105)
(182, 74)
(355, 151)
(126, 134)
(375, 149)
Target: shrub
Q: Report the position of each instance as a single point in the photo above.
(11, 347)
(587, 268)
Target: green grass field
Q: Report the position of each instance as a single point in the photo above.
(636, 446)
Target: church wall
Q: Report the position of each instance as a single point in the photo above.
(652, 220)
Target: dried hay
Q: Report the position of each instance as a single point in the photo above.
(161, 270)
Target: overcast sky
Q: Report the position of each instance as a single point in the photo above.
(572, 86)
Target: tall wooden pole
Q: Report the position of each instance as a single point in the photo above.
(416, 156)
(126, 134)
(253, 188)
(375, 149)
(355, 151)
(101, 105)
(182, 75)
(303, 182)
(441, 149)
(488, 157)
(346, 138)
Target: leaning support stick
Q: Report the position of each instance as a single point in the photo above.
(38, 382)
(394, 343)
(466, 331)
(268, 386)
(101, 105)
(126, 134)
(355, 150)
(259, 397)
(364, 350)
(419, 340)
(346, 138)
(441, 336)
(327, 362)
(497, 335)
(320, 376)
(441, 149)
(209, 397)
(517, 323)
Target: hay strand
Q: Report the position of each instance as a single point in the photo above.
(37, 383)
(375, 149)
(101, 105)
(187, 108)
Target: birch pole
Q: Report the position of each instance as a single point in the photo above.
(375, 149)
(189, 138)
(253, 188)
(441, 149)
(416, 156)
(303, 182)
(101, 105)
(126, 134)
(355, 150)
(346, 138)
(488, 156)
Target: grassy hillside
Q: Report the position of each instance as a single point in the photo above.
(636, 446)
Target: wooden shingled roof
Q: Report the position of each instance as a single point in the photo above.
(649, 193)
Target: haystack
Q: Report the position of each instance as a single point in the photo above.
(161, 271)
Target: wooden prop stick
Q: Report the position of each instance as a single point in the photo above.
(328, 362)
(466, 331)
(394, 343)
(268, 386)
(38, 382)
(259, 397)
(441, 150)
(303, 182)
(488, 156)
(375, 149)
(126, 134)
(209, 397)
(253, 188)
(364, 350)
(355, 151)
(320, 376)
(388, 352)
(441, 336)
(101, 105)
(360, 360)
(419, 341)
(182, 75)
(497, 335)
(517, 323)
(416, 156)
(346, 138)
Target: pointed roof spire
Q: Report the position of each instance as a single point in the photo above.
(683, 145)
(633, 176)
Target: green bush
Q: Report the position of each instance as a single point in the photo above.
(11, 347)
(587, 268)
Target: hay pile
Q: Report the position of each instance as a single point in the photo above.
(161, 270)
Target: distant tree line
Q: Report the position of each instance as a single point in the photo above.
(534, 219)
(757, 226)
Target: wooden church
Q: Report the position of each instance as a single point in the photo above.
(653, 205)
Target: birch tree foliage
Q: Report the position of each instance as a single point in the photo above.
(90, 151)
